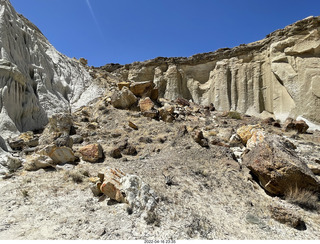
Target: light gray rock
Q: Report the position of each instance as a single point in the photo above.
(36, 81)
(128, 189)
(138, 194)
(123, 99)
(37, 161)
(3, 144)
(8, 163)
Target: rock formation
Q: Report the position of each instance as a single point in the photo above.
(36, 80)
(190, 171)
(278, 75)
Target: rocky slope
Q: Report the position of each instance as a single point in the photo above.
(192, 172)
(278, 75)
(141, 161)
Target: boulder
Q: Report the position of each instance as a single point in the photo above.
(111, 185)
(64, 140)
(129, 150)
(8, 163)
(59, 155)
(123, 99)
(29, 139)
(278, 167)
(166, 113)
(256, 138)
(59, 125)
(91, 153)
(245, 132)
(142, 88)
(37, 161)
(16, 143)
(26, 139)
(225, 134)
(77, 139)
(146, 104)
(126, 188)
(300, 126)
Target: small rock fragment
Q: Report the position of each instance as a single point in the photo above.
(115, 153)
(132, 125)
(199, 138)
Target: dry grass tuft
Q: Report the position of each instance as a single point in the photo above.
(303, 198)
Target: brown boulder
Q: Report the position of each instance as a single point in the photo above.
(129, 150)
(111, 185)
(91, 153)
(300, 126)
(166, 113)
(142, 89)
(146, 104)
(278, 167)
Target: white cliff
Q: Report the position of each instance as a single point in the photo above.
(36, 80)
(279, 75)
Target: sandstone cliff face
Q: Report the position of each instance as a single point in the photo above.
(36, 80)
(279, 74)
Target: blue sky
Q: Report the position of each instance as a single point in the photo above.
(124, 31)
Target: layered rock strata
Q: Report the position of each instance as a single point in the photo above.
(278, 75)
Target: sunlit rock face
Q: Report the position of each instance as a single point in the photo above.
(36, 80)
(279, 75)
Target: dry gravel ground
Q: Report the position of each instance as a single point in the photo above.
(212, 196)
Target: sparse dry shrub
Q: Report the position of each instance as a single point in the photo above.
(25, 193)
(199, 226)
(234, 115)
(152, 218)
(303, 198)
(76, 176)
